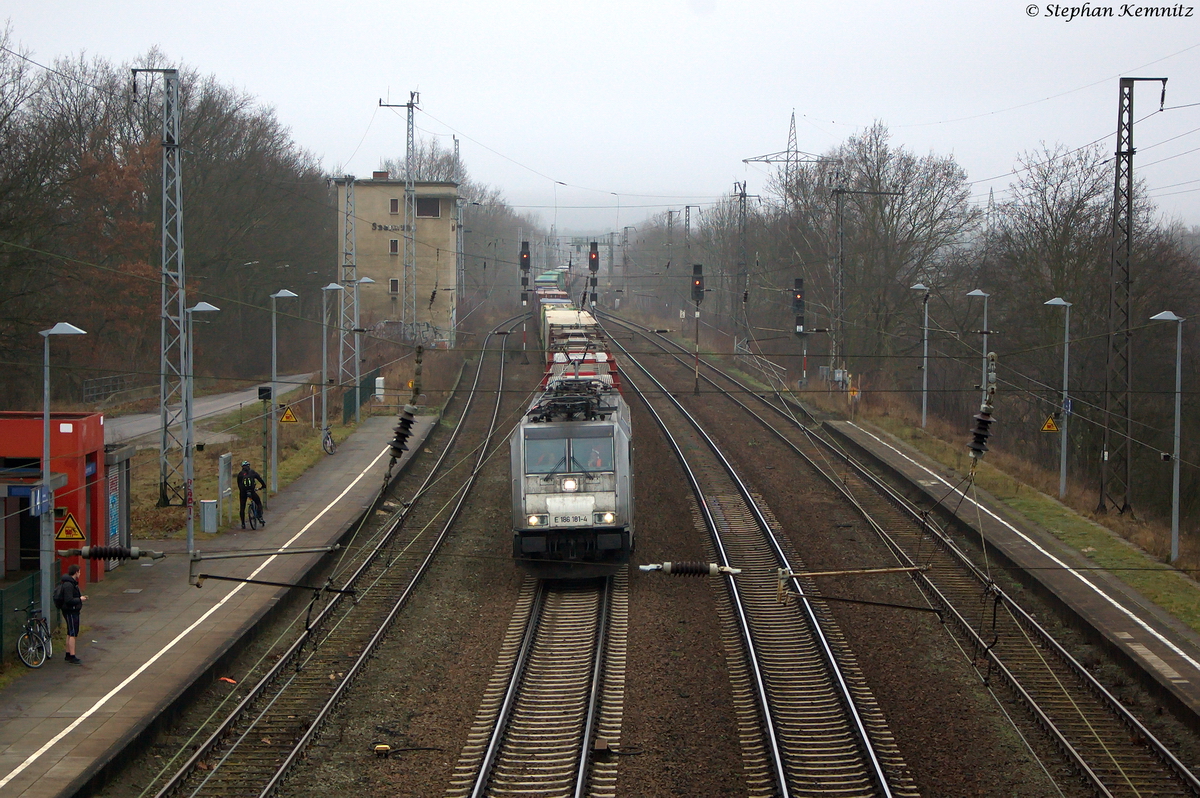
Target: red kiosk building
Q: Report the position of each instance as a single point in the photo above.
(91, 489)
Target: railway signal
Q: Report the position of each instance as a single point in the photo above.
(798, 305)
(697, 283)
(525, 256)
(594, 259)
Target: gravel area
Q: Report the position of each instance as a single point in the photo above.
(954, 735)
(422, 690)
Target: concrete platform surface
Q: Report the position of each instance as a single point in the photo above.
(147, 634)
(1165, 648)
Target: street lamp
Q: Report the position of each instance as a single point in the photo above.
(189, 433)
(358, 349)
(46, 542)
(1066, 401)
(924, 353)
(983, 379)
(281, 294)
(324, 354)
(1167, 315)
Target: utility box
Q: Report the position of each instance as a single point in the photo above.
(208, 516)
(379, 389)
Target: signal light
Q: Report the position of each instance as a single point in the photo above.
(798, 305)
(593, 282)
(594, 258)
(697, 283)
(745, 296)
(524, 299)
(525, 257)
(593, 297)
(524, 280)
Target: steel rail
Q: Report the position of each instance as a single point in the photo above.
(901, 503)
(310, 632)
(519, 682)
(769, 535)
(364, 657)
(510, 695)
(589, 726)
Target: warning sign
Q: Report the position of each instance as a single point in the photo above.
(1049, 426)
(69, 530)
(288, 417)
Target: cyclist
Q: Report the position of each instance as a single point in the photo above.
(245, 480)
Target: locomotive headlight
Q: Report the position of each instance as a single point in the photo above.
(570, 485)
(604, 518)
(533, 520)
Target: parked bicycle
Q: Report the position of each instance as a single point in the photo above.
(327, 441)
(34, 646)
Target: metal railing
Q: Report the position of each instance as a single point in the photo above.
(100, 388)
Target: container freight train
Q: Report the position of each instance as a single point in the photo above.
(572, 453)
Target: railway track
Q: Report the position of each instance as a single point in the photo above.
(554, 700)
(809, 724)
(252, 749)
(1111, 749)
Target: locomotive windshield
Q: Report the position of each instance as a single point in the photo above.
(585, 450)
(545, 456)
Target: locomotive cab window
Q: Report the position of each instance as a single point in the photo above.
(545, 456)
(592, 454)
(588, 449)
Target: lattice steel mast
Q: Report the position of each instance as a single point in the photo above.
(791, 158)
(348, 315)
(1116, 460)
(172, 332)
(408, 291)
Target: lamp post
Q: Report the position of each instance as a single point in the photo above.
(1066, 402)
(924, 353)
(281, 294)
(189, 431)
(1167, 315)
(324, 354)
(983, 379)
(358, 350)
(46, 540)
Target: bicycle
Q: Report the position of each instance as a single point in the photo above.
(34, 646)
(327, 442)
(256, 512)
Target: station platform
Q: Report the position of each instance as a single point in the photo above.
(147, 634)
(1148, 636)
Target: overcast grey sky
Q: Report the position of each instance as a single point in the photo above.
(652, 105)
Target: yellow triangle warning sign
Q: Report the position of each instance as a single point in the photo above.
(288, 417)
(1049, 426)
(69, 530)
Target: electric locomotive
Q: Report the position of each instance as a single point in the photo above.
(572, 457)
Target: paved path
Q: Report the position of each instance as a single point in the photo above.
(124, 429)
(147, 634)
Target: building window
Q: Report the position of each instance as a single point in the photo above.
(394, 285)
(395, 205)
(394, 246)
(429, 207)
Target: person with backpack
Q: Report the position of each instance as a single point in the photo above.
(247, 479)
(69, 600)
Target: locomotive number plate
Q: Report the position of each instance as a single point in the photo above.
(575, 519)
